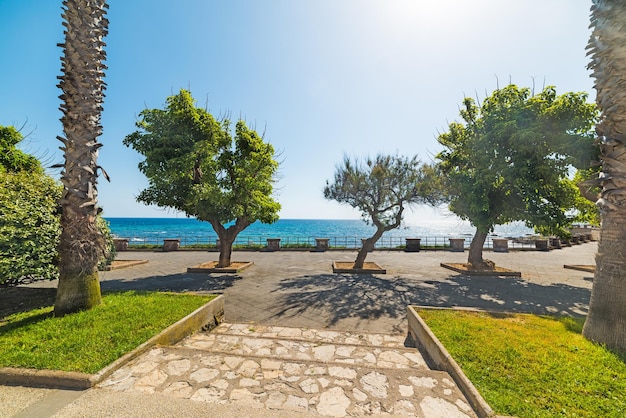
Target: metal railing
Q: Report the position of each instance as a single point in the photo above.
(334, 242)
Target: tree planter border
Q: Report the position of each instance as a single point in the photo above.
(210, 267)
(122, 264)
(205, 317)
(581, 267)
(369, 267)
(437, 356)
(462, 268)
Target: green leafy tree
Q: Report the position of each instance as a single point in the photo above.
(12, 158)
(606, 321)
(585, 209)
(195, 165)
(82, 244)
(508, 160)
(381, 188)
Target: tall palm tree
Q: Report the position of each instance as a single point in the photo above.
(606, 322)
(82, 244)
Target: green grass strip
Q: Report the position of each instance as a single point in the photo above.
(90, 340)
(533, 366)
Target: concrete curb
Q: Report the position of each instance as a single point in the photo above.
(500, 272)
(207, 316)
(209, 267)
(441, 359)
(122, 264)
(346, 267)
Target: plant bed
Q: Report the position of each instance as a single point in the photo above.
(581, 267)
(211, 267)
(529, 365)
(81, 349)
(465, 269)
(120, 264)
(348, 267)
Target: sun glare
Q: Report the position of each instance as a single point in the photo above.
(409, 17)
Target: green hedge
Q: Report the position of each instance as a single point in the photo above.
(29, 227)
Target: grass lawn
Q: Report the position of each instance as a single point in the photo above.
(533, 366)
(90, 340)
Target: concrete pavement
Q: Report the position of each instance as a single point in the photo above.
(298, 289)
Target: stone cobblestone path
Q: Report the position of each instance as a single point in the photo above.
(320, 372)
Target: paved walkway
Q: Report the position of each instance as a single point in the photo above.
(274, 368)
(299, 290)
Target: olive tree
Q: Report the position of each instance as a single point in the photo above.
(197, 165)
(381, 188)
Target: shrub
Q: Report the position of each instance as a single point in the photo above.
(110, 251)
(29, 227)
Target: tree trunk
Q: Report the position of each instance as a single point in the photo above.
(227, 237)
(475, 257)
(360, 257)
(606, 321)
(80, 249)
(81, 244)
(367, 246)
(226, 250)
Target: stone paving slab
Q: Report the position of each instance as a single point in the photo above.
(300, 376)
(325, 352)
(309, 334)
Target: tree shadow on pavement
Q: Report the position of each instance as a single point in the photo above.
(371, 297)
(182, 282)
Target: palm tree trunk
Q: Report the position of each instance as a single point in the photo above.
(606, 321)
(82, 244)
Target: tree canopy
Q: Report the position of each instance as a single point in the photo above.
(12, 158)
(197, 165)
(509, 159)
(381, 188)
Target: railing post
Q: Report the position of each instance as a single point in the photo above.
(321, 244)
(120, 244)
(500, 245)
(171, 244)
(273, 244)
(542, 244)
(412, 245)
(457, 244)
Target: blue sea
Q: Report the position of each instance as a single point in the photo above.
(341, 232)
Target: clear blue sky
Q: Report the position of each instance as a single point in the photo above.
(322, 78)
